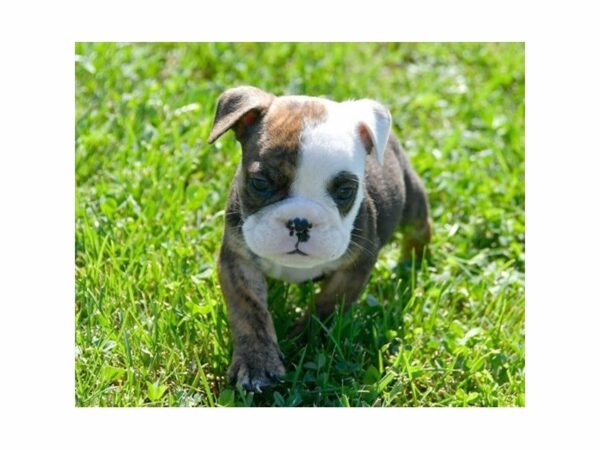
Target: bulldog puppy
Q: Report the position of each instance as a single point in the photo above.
(320, 189)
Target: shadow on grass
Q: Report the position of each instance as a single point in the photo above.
(336, 361)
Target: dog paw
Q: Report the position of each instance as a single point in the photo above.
(256, 371)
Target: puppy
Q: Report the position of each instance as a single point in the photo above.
(320, 189)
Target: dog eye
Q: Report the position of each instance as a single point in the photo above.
(344, 193)
(260, 184)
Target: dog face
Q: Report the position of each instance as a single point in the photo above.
(301, 181)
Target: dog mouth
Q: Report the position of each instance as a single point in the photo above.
(297, 251)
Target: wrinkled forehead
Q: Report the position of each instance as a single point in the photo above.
(277, 142)
(317, 134)
(287, 119)
(332, 145)
(327, 149)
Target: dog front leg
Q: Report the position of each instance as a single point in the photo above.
(257, 361)
(342, 287)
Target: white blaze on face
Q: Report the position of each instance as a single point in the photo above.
(326, 149)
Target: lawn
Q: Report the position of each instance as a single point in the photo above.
(151, 324)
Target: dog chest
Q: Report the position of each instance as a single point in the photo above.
(297, 274)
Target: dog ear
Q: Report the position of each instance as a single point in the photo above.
(374, 126)
(239, 108)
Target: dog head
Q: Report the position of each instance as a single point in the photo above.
(302, 176)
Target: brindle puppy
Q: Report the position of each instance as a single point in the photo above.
(321, 188)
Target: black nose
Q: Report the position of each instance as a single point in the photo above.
(300, 226)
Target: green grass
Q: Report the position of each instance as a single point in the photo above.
(151, 325)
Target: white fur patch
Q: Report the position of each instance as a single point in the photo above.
(266, 233)
(297, 274)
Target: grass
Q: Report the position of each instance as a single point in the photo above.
(151, 327)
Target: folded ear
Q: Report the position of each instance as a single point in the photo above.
(374, 126)
(239, 107)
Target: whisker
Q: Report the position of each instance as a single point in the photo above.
(363, 248)
(365, 240)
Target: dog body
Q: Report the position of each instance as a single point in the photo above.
(321, 188)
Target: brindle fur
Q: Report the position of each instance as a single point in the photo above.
(269, 130)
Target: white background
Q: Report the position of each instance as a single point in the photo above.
(37, 82)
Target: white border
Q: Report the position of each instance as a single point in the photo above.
(37, 226)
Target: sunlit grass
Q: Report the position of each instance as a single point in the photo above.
(151, 322)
